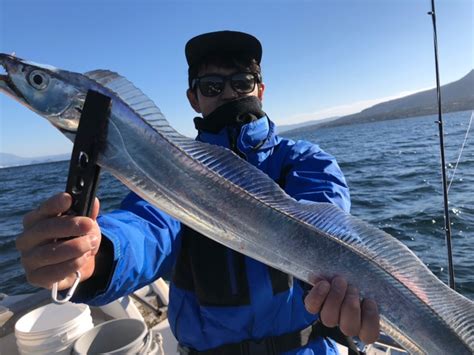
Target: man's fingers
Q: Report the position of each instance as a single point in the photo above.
(95, 209)
(339, 304)
(316, 297)
(52, 207)
(53, 228)
(57, 253)
(53, 245)
(350, 321)
(332, 306)
(370, 327)
(64, 273)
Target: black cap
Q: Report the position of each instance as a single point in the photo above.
(222, 41)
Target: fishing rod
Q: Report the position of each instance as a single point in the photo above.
(447, 224)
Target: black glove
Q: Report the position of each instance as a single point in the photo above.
(235, 113)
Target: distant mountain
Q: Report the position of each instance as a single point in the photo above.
(455, 96)
(290, 127)
(9, 160)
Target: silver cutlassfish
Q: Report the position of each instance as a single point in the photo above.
(208, 187)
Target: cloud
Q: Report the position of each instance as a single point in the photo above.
(343, 110)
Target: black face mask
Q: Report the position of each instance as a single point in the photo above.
(235, 113)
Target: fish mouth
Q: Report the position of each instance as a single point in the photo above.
(4, 78)
(6, 85)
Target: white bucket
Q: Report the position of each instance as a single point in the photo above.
(52, 329)
(119, 336)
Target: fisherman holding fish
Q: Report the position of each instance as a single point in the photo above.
(221, 302)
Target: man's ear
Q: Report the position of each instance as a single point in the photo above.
(193, 100)
(261, 89)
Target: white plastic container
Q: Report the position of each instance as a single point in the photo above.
(52, 329)
(126, 336)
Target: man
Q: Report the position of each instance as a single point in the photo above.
(221, 302)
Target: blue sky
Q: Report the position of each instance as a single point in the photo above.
(320, 59)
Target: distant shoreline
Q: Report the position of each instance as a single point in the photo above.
(31, 164)
(335, 124)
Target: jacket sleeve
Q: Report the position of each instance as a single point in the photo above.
(142, 244)
(310, 174)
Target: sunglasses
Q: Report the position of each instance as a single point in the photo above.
(214, 84)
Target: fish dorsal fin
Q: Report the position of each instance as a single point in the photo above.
(133, 97)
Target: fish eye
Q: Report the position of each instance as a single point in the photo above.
(38, 79)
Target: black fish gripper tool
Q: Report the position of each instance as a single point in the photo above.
(84, 172)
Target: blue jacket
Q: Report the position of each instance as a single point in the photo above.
(260, 301)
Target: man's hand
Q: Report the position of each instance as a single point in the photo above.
(339, 305)
(46, 261)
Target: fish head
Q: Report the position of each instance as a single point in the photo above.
(55, 94)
